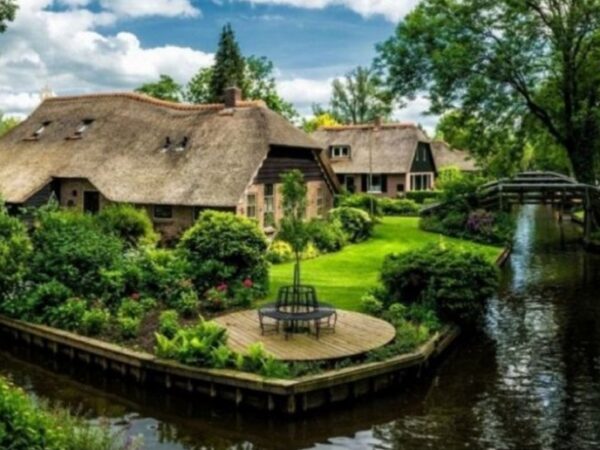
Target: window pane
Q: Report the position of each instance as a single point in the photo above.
(163, 211)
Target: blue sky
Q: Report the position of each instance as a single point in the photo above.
(80, 46)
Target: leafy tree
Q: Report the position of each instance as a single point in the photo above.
(6, 124)
(319, 121)
(229, 69)
(502, 61)
(293, 229)
(8, 9)
(258, 84)
(360, 98)
(164, 89)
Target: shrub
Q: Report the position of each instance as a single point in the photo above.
(455, 281)
(69, 315)
(28, 424)
(368, 203)
(280, 252)
(129, 327)
(188, 303)
(131, 308)
(258, 360)
(44, 297)
(356, 223)
(421, 197)
(95, 321)
(216, 298)
(15, 251)
(130, 224)
(369, 304)
(225, 247)
(310, 252)
(168, 323)
(327, 235)
(244, 294)
(71, 248)
(192, 345)
(399, 207)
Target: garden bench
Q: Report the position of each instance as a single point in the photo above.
(297, 308)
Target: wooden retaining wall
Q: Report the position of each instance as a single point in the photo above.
(239, 388)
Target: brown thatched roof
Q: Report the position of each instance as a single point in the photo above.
(121, 151)
(445, 156)
(393, 146)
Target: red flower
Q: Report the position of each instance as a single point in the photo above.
(248, 283)
(222, 287)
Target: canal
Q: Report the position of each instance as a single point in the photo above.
(530, 380)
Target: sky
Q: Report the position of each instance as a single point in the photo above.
(84, 46)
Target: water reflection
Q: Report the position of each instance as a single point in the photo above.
(531, 380)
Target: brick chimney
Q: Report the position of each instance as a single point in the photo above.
(232, 96)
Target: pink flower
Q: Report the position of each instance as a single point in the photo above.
(135, 296)
(248, 283)
(222, 287)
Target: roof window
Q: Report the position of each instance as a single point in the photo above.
(36, 135)
(339, 151)
(83, 126)
(182, 145)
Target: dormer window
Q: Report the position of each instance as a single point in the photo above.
(36, 135)
(83, 126)
(182, 145)
(167, 145)
(339, 151)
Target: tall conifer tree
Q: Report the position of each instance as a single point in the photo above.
(229, 68)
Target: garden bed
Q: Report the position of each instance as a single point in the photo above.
(242, 389)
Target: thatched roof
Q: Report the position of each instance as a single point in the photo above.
(445, 156)
(393, 146)
(121, 151)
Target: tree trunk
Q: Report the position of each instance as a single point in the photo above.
(583, 161)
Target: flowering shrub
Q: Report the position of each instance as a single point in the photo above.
(216, 298)
(481, 222)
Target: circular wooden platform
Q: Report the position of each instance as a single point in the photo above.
(354, 335)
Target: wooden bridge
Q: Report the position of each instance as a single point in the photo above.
(548, 188)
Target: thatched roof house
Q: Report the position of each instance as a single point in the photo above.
(400, 157)
(445, 156)
(135, 149)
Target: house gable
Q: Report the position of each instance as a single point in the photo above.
(423, 159)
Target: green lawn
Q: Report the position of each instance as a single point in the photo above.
(342, 278)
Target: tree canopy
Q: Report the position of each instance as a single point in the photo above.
(512, 66)
(164, 89)
(7, 123)
(360, 97)
(8, 10)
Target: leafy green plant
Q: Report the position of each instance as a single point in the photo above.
(399, 207)
(15, 252)
(456, 282)
(129, 327)
(258, 360)
(130, 224)
(280, 252)
(188, 303)
(356, 223)
(327, 235)
(223, 247)
(369, 304)
(368, 203)
(131, 308)
(95, 321)
(421, 197)
(168, 323)
(69, 315)
(221, 357)
(43, 298)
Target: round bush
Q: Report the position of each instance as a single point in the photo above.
(399, 207)
(356, 223)
(280, 252)
(15, 251)
(327, 235)
(457, 282)
(71, 248)
(222, 247)
(366, 202)
(132, 225)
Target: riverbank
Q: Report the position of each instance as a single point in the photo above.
(342, 278)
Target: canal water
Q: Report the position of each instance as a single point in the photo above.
(531, 380)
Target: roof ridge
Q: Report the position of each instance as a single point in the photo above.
(389, 126)
(156, 102)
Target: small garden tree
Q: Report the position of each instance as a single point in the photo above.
(294, 230)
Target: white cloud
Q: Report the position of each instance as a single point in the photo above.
(142, 8)
(392, 10)
(66, 50)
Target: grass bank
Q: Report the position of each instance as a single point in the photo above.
(342, 278)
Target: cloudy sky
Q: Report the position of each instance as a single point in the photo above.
(80, 46)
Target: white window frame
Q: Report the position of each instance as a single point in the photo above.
(251, 206)
(372, 187)
(340, 151)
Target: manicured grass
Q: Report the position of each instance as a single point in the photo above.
(342, 278)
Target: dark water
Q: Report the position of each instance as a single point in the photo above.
(531, 381)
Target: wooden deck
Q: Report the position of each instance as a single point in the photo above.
(355, 334)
